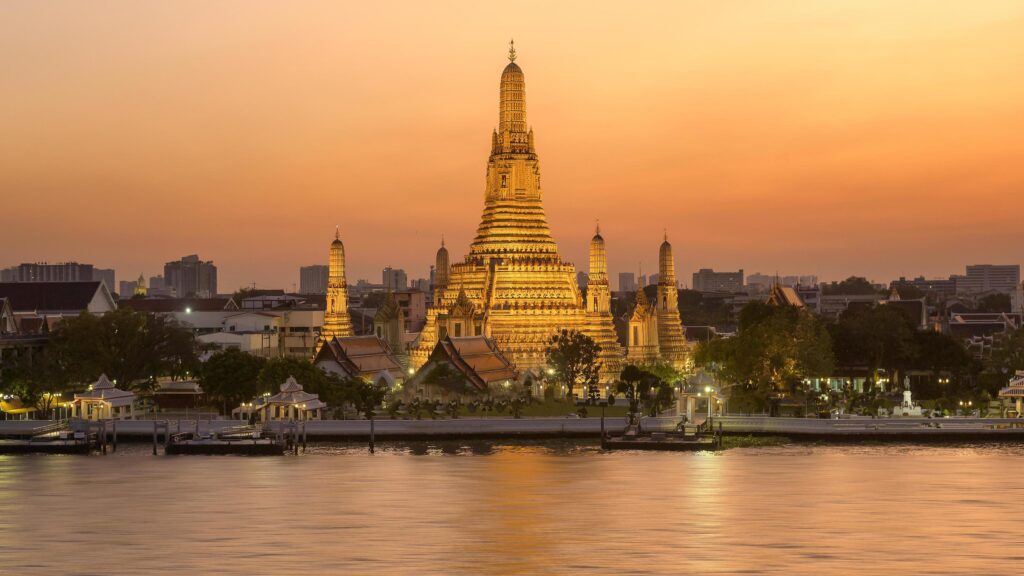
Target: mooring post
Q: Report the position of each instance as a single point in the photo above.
(114, 425)
(371, 433)
(154, 437)
(303, 436)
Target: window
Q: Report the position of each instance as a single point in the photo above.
(478, 330)
(636, 336)
(458, 330)
(504, 180)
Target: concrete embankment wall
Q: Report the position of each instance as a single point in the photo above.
(893, 429)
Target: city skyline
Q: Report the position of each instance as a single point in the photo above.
(775, 140)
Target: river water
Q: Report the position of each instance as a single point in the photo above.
(501, 509)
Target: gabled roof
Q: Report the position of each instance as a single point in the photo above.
(54, 296)
(784, 296)
(477, 357)
(363, 356)
(168, 305)
(104, 390)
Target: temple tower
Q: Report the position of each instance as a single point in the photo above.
(336, 319)
(671, 338)
(513, 285)
(440, 272)
(600, 324)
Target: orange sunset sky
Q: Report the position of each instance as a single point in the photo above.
(878, 138)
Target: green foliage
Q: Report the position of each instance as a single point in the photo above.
(646, 388)
(130, 347)
(852, 286)
(1008, 353)
(877, 337)
(231, 376)
(573, 355)
(776, 347)
(994, 303)
(30, 375)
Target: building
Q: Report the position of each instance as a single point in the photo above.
(394, 279)
(642, 332)
(337, 323)
(57, 299)
(421, 285)
(191, 277)
(654, 279)
(127, 289)
(762, 283)
(944, 288)
(460, 367)
(366, 357)
(982, 278)
(103, 401)
(105, 275)
(707, 280)
(513, 287)
(291, 403)
(60, 272)
(313, 279)
(627, 282)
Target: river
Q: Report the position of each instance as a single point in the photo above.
(486, 508)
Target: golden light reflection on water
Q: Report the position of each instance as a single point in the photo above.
(494, 509)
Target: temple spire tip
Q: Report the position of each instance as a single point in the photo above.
(512, 50)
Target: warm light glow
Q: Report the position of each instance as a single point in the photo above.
(828, 116)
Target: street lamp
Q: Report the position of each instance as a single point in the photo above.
(707, 390)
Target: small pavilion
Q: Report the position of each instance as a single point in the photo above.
(291, 403)
(103, 401)
(1015, 390)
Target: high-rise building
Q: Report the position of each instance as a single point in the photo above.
(313, 279)
(654, 279)
(60, 272)
(191, 276)
(394, 279)
(627, 282)
(105, 275)
(707, 280)
(127, 288)
(989, 278)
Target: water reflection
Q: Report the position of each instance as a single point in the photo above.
(494, 508)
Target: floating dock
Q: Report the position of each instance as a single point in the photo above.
(240, 440)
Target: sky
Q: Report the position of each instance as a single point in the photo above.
(837, 138)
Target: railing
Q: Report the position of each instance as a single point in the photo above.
(51, 429)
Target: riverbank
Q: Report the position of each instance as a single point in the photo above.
(845, 430)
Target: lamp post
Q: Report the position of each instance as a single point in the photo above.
(707, 390)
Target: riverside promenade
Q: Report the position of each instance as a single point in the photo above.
(841, 430)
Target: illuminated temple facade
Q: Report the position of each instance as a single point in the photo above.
(337, 322)
(513, 285)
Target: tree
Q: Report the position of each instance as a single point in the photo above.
(231, 376)
(34, 377)
(573, 356)
(775, 349)
(994, 303)
(132, 348)
(852, 286)
(876, 338)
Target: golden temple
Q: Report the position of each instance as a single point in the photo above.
(513, 286)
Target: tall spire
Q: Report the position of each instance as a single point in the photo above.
(512, 50)
(337, 232)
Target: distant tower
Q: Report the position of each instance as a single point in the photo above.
(140, 286)
(440, 273)
(336, 319)
(671, 338)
